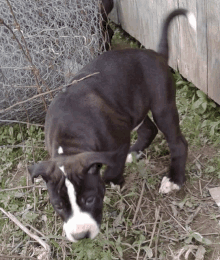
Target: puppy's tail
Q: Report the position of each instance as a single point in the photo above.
(163, 44)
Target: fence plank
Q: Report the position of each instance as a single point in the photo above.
(213, 39)
(197, 55)
(201, 80)
(193, 60)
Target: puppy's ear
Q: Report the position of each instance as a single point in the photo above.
(42, 168)
(82, 162)
(95, 168)
(86, 162)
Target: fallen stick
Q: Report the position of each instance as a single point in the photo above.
(193, 215)
(158, 234)
(4, 257)
(45, 93)
(21, 226)
(157, 214)
(139, 202)
(22, 187)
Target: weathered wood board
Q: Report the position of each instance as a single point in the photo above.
(213, 42)
(195, 54)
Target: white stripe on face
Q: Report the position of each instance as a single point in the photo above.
(80, 222)
(60, 150)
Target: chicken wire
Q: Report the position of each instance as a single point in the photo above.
(42, 46)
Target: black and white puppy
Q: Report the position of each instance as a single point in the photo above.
(89, 124)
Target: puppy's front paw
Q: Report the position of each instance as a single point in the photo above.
(168, 186)
(136, 156)
(129, 158)
(115, 186)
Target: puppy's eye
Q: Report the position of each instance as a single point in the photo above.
(90, 201)
(59, 206)
(83, 200)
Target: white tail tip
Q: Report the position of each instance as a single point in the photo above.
(192, 20)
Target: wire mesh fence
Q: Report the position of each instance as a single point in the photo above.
(42, 46)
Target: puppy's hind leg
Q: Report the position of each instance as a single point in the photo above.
(167, 120)
(146, 134)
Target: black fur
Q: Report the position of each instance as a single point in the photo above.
(92, 120)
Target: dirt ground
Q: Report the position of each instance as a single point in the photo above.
(174, 217)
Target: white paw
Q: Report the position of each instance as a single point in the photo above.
(129, 158)
(115, 186)
(135, 155)
(167, 186)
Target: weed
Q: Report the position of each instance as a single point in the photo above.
(198, 113)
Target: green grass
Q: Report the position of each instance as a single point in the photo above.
(199, 114)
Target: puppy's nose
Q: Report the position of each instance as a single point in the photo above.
(81, 235)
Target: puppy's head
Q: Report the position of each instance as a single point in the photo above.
(76, 191)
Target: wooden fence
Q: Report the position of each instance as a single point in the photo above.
(196, 55)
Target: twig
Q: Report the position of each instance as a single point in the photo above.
(138, 253)
(15, 37)
(45, 93)
(210, 234)
(20, 122)
(200, 188)
(24, 187)
(56, 237)
(17, 86)
(34, 69)
(162, 171)
(170, 238)
(178, 223)
(16, 256)
(20, 145)
(18, 245)
(37, 231)
(197, 158)
(193, 215)
(157, 212)
(207, 184)
(35, 237)
(139, 202)
(158, 234)
(151, 193)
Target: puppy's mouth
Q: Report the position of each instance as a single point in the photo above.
(80, 227)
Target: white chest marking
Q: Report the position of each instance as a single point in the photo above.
(60, 150)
